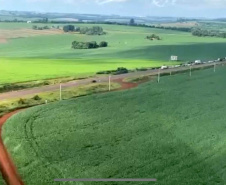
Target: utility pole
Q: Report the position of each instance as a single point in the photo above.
(109, 82)
(159, 76)
(60, 92)
(190, 71)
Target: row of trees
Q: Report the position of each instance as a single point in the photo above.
(88, 45)
(207, 33)
(40, 28)
(153, 37)
(95, 30)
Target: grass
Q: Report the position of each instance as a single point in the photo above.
(44, 57)
(173, 131)
(38, 99)
(2, 182)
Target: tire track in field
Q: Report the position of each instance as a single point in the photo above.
(29, 134)
(11, 176)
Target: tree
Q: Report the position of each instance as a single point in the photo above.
(95, 30)
(103, 44)
(132, 22)
(69, 28)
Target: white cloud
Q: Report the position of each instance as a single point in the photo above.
(159, 3)
(110, 1)
(191, 3)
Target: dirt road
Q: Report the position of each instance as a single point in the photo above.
(33, 91)
(7, 166)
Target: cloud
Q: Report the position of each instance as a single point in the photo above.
(191, 3)
(162, 3)
(110, 1)
(158, 3)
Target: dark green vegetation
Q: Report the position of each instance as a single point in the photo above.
(88, 45)
(153, 37)
(119, 70)
(32, 100)
(95, 30)
(69, 28)
(173, 131)
(205, 33)
(40, 28)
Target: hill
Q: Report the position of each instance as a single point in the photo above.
(173, 131)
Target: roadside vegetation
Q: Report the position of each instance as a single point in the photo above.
(41, 98)
(172, 131)
(31, 84)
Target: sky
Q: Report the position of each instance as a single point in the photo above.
(172, 8)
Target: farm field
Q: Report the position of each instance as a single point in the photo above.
(46, 55)
(173, 131)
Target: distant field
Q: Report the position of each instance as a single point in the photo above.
(173, 131)
(48, 56)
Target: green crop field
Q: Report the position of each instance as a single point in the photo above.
(50, 56)
(1, 180)
(173, 131)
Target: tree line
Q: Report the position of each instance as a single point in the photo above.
(207, 33)
(34, 27)
(95, 30)
(88, 45)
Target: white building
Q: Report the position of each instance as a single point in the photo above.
(174, 58)
(28, 22)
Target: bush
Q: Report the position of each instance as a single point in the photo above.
(21, 101)
(153, 37)
(103, 44)
(37, 98)
(120, 70)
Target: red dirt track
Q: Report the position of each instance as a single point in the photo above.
(125, 85)
(6, 164)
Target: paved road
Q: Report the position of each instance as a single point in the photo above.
(33, 91)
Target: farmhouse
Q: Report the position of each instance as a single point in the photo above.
(174, 58)
(28, 22)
